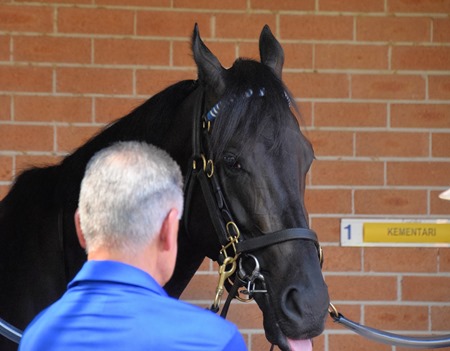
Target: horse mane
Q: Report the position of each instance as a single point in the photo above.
(265, 108)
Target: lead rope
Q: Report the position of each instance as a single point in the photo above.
(426, 342)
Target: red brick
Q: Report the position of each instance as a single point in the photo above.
(132, 52)
(438, 206)
(285, 5)
(328, 201)
(26, 18)
(316, 27)
(354, 342)
(247, 26)
(349, 114)
(386, 201)
(26, 137)
(259, 342)
(225, 52)
(437, 6)
(201, 287)
(70, 2)
(52, 49)
(94, 80)
(439, 317)
(420, 260)
(331, 143)
(418, 173)
(170, 24)
(245, 315)
(441, 30)
(318, 343)
(24, 162)
(71, 137)
(149, 82)
(392, 144)
(25, 79)
(384, 86)
(390, 317)
(305, 117)
(421, 58)
(439, 87)
(52, 108)
(342, 259)
(440, 144)
(327, 229)
(344, 56)
(318, 85)
(392, 29)
(444, 259)
(352, 5)
(298, 55)
(110, 109)
(95, 21)
(5, 107)
(420, 116)
(347, 173)
(6, 168)
(211, 4)
(362, 287)
(146, 3)
(4, 48)
(424, 288)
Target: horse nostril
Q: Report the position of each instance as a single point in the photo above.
(290, 303)
(300, 305)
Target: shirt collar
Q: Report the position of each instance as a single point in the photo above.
(116, 272)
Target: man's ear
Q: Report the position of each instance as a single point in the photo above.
(168, 235)
(79, 231)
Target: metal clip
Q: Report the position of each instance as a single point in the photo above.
(224, 274)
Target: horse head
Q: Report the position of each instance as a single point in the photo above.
(258, 159)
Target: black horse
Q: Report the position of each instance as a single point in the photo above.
(236, 127)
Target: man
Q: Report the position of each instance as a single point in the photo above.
(130, 203)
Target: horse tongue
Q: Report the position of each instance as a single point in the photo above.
(300, 345)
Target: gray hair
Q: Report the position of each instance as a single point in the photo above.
(126, 193)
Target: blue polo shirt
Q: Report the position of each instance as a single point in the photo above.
(113, 306)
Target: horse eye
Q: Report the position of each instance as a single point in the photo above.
(231, 162)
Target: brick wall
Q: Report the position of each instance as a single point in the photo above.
(372, 78)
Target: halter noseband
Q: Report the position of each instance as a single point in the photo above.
(228, 233)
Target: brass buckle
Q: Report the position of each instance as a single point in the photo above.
(224, 274)
(233, 238)
(208, 166)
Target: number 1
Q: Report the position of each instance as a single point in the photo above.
(349, 232)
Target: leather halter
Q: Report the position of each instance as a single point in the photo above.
(228, 233)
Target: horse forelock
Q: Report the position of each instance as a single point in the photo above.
(256, 103)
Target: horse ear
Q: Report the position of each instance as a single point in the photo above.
(270, 51)
(210, 71)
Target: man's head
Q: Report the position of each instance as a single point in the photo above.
(128, 192)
